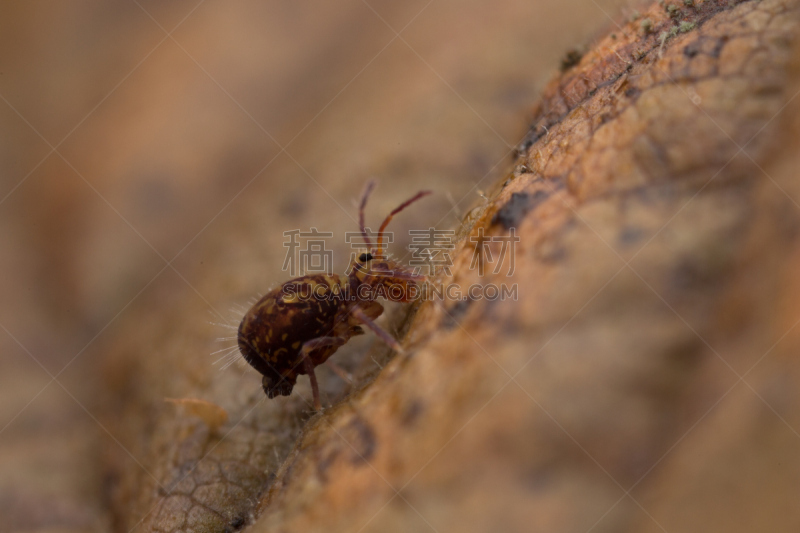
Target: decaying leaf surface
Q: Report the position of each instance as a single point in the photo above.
(165, 155)
(166, 471)
(644, 379)
(655, 268)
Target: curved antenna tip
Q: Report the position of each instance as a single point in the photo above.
(396, 210)
(361, 207)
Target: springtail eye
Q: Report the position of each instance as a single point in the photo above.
(363, 258)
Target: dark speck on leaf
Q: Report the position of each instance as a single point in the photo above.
(692, 49)
(718, 46)
(525, 146)
(237, 524)
(572, 58)
(363, 441)
(411, 412)
(632, 92)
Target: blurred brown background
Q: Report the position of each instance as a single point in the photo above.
(159, 149)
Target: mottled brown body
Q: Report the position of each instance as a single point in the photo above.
(300, 324)
(272, 333)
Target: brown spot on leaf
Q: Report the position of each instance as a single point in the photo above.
(517, 207)
(361, 439)
(571, 58)
(412, 411)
